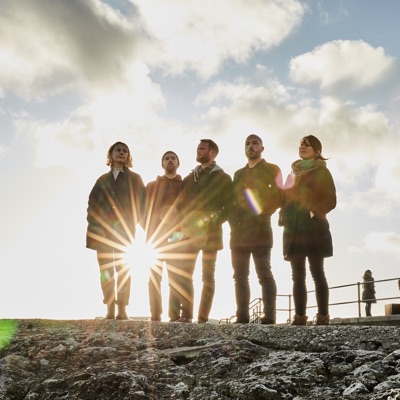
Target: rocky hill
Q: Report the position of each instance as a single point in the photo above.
(100, 359)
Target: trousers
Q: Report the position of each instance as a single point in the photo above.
(241, 271)
(110, 262)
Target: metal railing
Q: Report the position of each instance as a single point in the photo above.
(256, 306)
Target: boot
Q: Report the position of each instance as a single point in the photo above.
(264, 320)
(110, 311)
(299, 320)
(321, 319)
(122, 312)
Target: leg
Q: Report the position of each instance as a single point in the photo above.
(208, 277)
(262, 262)
(368, 309)
(107, 281)
(155, 291)
(174, 301)
(123, 286)
(299, 285)
(186, 288)
(321, 285)
(241, 270)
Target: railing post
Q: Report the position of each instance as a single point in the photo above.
(359, 299)
(290, 308)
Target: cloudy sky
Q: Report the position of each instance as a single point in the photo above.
(75, 76)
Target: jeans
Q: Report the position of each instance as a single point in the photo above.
(209, 259)
(299, 284)
(109, 262)
(241, 271)
(155, 290)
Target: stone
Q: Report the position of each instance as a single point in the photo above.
(139, 360)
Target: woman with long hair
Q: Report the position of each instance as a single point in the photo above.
(308, 196)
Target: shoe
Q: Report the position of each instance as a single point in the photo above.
(267, 321)
(122, 313)
(241, 321)
(201, 321)
(184, 320)
(321, 319)
(299, 320)
(155, 319)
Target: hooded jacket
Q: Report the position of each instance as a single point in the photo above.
(205, 205)
(161, 219)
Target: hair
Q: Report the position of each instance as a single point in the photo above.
(367, 273)
(172, 152)
(109, 162)
(315, 144)
(256, 137)
(211, 144)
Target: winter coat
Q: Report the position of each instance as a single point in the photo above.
(204, 207)
(368, 293)
(114, 209)
(161, 217)
(257, 195)
(305, 235)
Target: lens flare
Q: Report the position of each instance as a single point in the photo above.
(7, 331)
(253, 201)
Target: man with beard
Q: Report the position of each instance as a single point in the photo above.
(205, 206)
(161, 227)
(257, 195)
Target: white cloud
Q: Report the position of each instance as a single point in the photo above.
(47, 47)
(383, 242)
(201, 35)
(342, 63)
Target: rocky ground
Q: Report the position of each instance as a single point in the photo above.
(99, 359)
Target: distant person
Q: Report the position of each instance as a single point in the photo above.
(309, 195)
(257, 195)
(115, 206)
(368, 293)
(205, 205)
(161, 227)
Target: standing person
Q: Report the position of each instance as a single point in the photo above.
(205, 204)
(368, 293)
(161, 226)
(310, 194)
(257, 195)
(114, 208)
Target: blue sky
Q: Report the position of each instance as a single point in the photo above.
(76, 76)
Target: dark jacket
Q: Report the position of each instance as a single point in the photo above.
(257, 195)
(204, 207)
(114, 209)
(303, 235)
(161, 218)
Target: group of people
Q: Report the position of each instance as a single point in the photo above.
(183, 217)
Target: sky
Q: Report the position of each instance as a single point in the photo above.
(76, 76)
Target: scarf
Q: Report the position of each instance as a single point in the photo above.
(302, 167)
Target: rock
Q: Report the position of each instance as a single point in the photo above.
(140, 360)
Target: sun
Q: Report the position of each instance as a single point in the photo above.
(141, 250)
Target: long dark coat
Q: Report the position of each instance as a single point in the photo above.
(204, 207)
(304, 235)
(114, 209)
(368, 293)
(257, 195)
